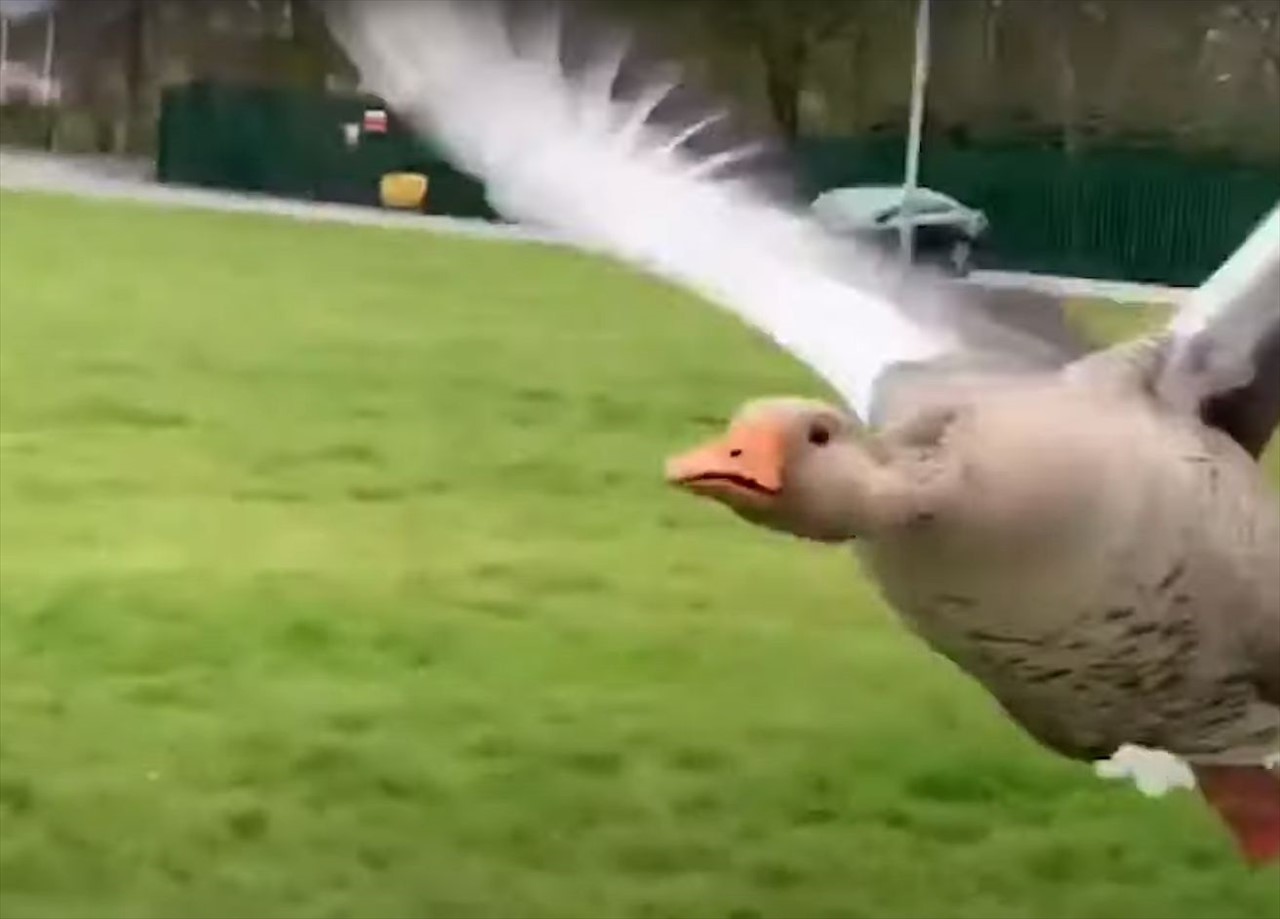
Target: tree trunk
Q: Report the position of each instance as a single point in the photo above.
(311, 44)
(785, 57)
(857, 92)
(135, 74)
(1068, 84)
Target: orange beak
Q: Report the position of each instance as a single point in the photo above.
(746, 463)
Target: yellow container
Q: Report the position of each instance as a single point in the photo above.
(403, 189)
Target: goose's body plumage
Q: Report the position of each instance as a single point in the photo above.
(1117, 585)
(1088, 535)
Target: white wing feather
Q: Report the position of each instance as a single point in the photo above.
(563, 153)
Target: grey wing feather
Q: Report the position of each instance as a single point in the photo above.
(1250, 413)
(1224, 361)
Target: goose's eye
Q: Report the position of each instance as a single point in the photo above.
(819, 436)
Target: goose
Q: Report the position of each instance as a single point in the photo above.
(1084, 531)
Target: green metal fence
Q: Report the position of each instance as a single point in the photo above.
(1131, 215)
(1142, 215)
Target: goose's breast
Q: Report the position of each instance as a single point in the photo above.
(1100, 587)
(1087, 673)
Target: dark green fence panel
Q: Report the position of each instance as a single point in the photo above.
(237, 137)
(835, 162)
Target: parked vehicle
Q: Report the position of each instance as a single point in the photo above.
(946, 231)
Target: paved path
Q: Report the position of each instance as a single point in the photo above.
(1065, 288)
(132, 179)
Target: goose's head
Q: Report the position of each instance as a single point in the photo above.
(799, 466)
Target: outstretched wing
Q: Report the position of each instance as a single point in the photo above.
(1225, 357)
(576, 151)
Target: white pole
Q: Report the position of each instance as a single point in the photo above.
(919, 76)
(4, 52)
(49, 29)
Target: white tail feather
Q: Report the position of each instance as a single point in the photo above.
(1155, 772)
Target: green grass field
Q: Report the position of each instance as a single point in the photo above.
(339, 580)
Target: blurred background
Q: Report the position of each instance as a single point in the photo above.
(1069, 124)
(337, 574)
